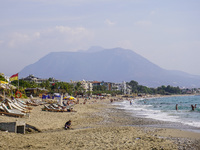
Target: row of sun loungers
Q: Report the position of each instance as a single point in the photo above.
(14, 107)
(11, 112)
(34, 102)
(57, 108)
(19, 108)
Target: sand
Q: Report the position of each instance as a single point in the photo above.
(95, 125)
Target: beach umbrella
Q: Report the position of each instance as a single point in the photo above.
(56, 94)
(70, 97)
(4, 85)
(3, 82)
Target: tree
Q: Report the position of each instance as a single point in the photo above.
(78, 89)
(2, 78)
(24, 84)
(134, 86)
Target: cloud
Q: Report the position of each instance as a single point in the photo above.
(27, 47)
(20, 39)
(79, 31)
(109, 23)
(58, 36)
(70, 35)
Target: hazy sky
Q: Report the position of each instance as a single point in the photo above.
(166, 32)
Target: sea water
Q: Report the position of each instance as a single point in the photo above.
(164, 109)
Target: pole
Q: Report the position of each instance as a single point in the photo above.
(18, 81)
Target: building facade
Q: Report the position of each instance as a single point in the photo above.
(32, 78)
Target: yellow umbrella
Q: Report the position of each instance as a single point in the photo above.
(71, 98)
(3, 82)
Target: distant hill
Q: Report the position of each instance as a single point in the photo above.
(112, 65)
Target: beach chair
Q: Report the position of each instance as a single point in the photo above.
(8, 100)
(22, 102)
(46, 108)
(55, 105)
(24, 106)
(19, 108)
(29, 102)
(53, 108)
(16, 104)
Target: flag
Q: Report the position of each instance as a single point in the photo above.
(14, 77)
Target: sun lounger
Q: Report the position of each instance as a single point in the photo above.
(19, 100)
(16, 104)
(54, 109)
(55, 105)
(47, 108)
(11, 110)
(58, 109)
(8, 100)
(19, 108)
(24, 106)
(29, 102)
(21, 103)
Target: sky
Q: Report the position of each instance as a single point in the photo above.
(166, 32)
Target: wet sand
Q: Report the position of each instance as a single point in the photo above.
(96, 125)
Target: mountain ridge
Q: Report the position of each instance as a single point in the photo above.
(110, 65)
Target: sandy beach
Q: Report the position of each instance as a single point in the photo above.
(95, 125)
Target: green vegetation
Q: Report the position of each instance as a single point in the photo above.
(164, 90)
(77, 89)
(62, 87)
(24, 84)
(2, 78)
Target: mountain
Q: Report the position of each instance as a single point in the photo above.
(109, 65)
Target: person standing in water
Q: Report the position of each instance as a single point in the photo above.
(176, 106)
(130, 102)
(195, 106)
(192, 107)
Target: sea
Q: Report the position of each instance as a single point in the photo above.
(164, 109)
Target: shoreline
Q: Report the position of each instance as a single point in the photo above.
(172, 124)
(156, 123)
(153, 123)
(96, 125)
